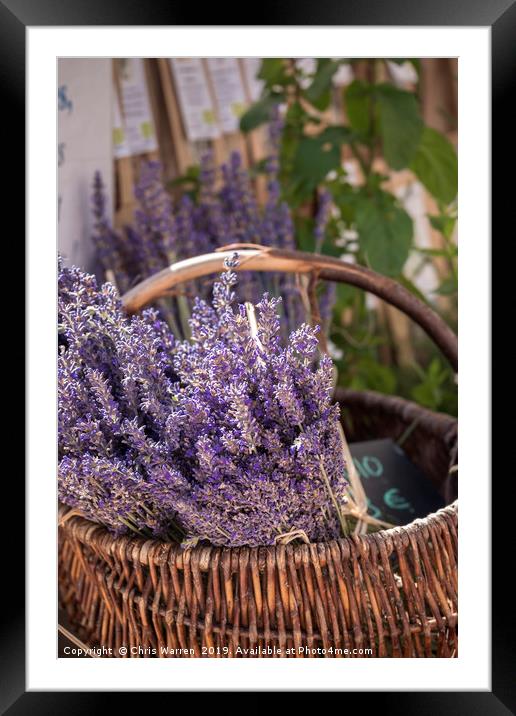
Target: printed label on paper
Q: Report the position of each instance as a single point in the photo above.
(229, 91)
(136, 110)
(197, 110)
(121, 146)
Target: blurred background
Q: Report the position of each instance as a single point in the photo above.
(164, 158)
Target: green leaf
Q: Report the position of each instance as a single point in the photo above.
(258, 113)
(188, 182)
(385, 233)
(303, 227)
(448, 287)
(314, 159)
(273, 71)
(359, 106)
(319, 92)
(345, 295)
(370, 374)
(345, 198)
(416, 63)
(444, 224)
(336, 134)
(435, 164)
(444, 253)
(401, 126)
(297, 190)
(308, 161)
(296, 116)
(429, 392)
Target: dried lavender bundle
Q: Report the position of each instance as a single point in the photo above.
(229, 437)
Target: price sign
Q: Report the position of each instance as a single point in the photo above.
(229, 91)
(121, 146)
(196, 104)
(397, 491)
(138, 123)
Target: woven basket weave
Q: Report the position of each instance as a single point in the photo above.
(391, 593)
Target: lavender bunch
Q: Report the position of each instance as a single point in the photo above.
(269, 439)
(229, 437)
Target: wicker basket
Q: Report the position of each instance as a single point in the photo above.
(387, 594)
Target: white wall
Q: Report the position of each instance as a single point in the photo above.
(84, 145)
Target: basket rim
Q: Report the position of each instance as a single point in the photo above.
(158, 551)
(426, 416)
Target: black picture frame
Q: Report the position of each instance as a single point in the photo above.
(500, 15)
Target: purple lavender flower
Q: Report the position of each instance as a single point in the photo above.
(110, 254)
(327, 299)
(155, 219)
(230, 437)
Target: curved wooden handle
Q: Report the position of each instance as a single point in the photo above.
(325, 267)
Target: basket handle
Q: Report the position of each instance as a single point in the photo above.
(261, 258)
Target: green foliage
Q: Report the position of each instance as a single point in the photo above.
(360, 107)
(385, 232)
(401, 126)
(274, 72)
(430, 392)
(258, 113)
(313, 159)
(370, 374)
(445, 223)
(188, 182)
(435, 164)
(448, 287)
(369, 223)
(319, 92)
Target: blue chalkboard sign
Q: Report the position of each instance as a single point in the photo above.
(396, 489)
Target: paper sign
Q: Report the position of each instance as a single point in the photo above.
(195, 100)
(84, 101)
(251, 66)
(397, 491)
(229, 91)
(121, 146)
(136, 109)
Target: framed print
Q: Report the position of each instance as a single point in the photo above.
(254, 235)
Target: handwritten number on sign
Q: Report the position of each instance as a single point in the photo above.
(368, 466)
(395, 501)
